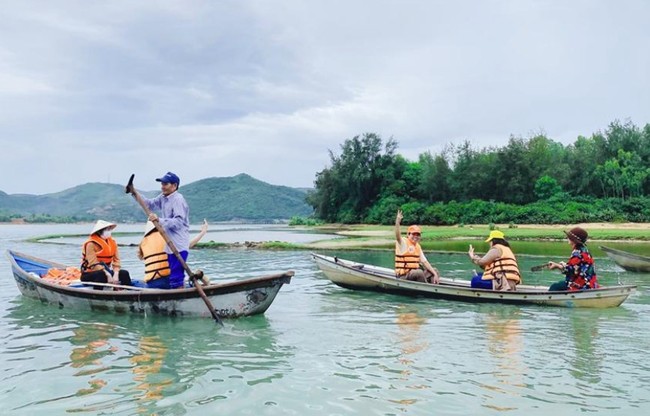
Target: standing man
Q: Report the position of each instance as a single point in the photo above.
(409, 255)
(174, 218)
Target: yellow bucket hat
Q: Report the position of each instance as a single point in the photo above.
(495, 234)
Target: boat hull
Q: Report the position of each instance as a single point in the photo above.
(629, 261)
(231, 300)
(357, 276)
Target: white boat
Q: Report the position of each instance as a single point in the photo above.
(232, 299)
(359, 276)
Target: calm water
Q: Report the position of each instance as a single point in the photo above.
(320, 349)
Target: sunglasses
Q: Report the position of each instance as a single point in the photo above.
(416, 234)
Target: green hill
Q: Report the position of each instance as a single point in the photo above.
(238, 198)
(243, 198)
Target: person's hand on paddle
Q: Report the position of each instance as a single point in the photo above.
(553, 265)
(153, 217)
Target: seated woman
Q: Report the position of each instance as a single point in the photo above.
(156, 262)
(156, 265)
(500, 268)
(579, 272)
(100, 258)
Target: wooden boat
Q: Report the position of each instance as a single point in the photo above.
(359, 276)
(629, 261)
(232, 299)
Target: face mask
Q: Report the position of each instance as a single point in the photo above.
(106, 234)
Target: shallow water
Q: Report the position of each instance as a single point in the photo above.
(321, 349)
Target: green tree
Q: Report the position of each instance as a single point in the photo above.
(623, 176)
(472, 176)
(347, 190)
(546, 187)
(435, 175)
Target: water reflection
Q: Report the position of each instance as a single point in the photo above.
(113, 368)
(505, 347)
(147, 364)
(411, 342)
(410, 339)
(91, 344)
(585, 357)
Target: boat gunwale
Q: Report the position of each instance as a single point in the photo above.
(626, 254)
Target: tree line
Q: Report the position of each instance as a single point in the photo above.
(601, 178)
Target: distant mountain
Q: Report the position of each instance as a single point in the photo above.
(243, 197)
(217, 199)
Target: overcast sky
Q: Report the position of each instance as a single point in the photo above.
(92, 91)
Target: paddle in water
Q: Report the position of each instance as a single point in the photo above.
(130, 189)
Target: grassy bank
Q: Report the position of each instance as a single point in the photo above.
(377, 236)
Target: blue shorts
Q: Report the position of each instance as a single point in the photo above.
(159, 283)
(176, 277)
(177, 273)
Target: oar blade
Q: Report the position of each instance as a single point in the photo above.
(129, 186)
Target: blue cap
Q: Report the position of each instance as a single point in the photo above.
(169, 177)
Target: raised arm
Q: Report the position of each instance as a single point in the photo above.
(492, 254)
(199, 236)
(398, 221)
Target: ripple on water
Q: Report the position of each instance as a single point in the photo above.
(321, 349)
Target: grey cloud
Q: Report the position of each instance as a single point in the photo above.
(219, 88)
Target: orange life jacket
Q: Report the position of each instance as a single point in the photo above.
(506, 265)
(62, 277)
(156, 263)
(105, 255)
(407, 260)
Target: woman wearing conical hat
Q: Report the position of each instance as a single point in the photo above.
(100, 258)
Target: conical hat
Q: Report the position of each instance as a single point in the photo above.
(149, 227)
(101, 224)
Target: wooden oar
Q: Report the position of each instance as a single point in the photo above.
(539, 267)
(130, 189)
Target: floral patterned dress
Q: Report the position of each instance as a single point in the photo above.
(579, 271)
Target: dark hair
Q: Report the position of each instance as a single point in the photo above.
(577, 245)
(500, 241)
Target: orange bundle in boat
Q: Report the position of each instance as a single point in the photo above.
(63, 277)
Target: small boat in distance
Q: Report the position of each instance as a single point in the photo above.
(629, 261)
(359, 276)
(231, 299)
